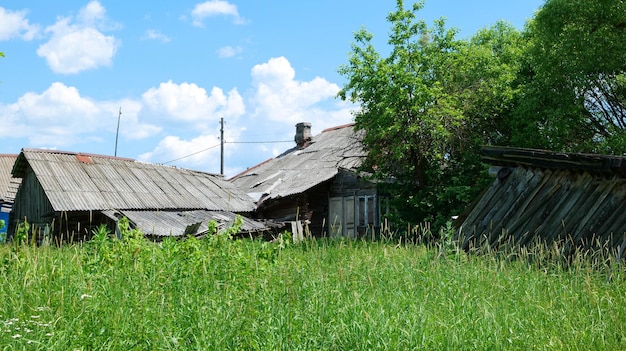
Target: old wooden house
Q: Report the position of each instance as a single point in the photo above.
(317, 182)
(8, 188)
(65, 195)
(578, 200)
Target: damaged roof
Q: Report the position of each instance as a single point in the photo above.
(182, 223)
(550, 196)
(301, 168)
(82, 182)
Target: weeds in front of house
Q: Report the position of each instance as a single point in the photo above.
(220, 293)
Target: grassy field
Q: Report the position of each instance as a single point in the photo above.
(218, 294)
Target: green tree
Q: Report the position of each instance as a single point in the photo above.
(573, 85)
(428, 106)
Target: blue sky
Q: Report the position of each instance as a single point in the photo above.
(176, 67)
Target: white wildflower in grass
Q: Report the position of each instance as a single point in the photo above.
(85, 296)
(34, 317)
(49, 334)
(16, 336)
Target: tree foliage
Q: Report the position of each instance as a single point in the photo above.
(428, 106)
(573, 85)
(431, 102)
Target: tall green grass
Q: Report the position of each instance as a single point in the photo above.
(217, 294)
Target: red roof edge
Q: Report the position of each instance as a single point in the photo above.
(338, 127)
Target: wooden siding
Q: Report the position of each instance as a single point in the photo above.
(577, 208)
(31, 203)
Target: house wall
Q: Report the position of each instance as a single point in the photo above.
(31, 204)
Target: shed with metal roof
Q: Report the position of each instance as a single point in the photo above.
(318, 181)
(68, 194)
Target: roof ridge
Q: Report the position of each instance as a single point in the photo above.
(250, 168)
(51, 151)
(338, 127)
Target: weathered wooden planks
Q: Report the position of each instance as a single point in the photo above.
(576, 199)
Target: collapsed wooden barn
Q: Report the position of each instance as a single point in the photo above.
(65, 195)
(316, 182)
(578, 200)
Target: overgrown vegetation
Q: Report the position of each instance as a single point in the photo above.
(218, 293)
(429, 105)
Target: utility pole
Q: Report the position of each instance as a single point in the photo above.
(119, 116)
(222, 145)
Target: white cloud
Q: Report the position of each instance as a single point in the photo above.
(92, 13)
(187, 102)
(279, 97)
(152, 34)
(229, 51)
(76, 47)
(278, 101)
(60, 117)
(215, 8)
(13, 24)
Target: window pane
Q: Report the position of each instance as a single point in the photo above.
(362, 214)
(370, 210)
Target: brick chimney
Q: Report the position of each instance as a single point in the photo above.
(303, 134)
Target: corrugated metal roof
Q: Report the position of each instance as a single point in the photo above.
(106, 182)
(298, 170)
(182, 223)
(8, 184)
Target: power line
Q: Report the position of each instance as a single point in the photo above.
(195, 153)
(229, 142)
(259, 142)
